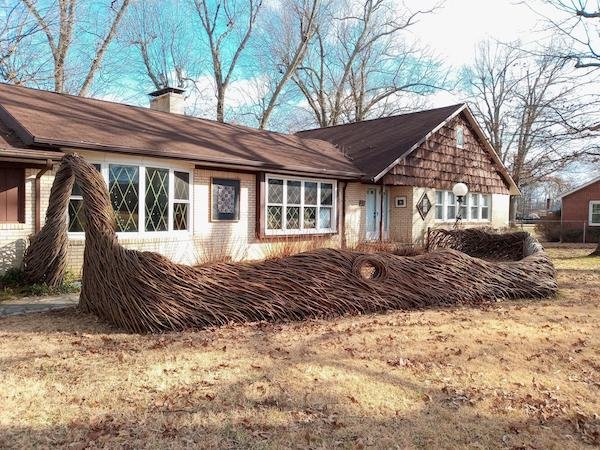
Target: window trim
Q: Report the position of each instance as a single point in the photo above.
(466, 204)
(142, 233)
(266, 232)
(591, 223)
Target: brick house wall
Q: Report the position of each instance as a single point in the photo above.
(576, 206)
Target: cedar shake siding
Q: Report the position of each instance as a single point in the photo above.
(439, 163)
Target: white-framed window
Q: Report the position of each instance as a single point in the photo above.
(475, 207)
(460, 137)
(146, 199)
(594, 213)
(439, 205)
(299, 205)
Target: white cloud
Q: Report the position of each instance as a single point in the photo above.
(454, 31)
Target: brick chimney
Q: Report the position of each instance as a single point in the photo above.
(168, 99)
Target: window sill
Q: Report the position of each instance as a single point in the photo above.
(282, 236)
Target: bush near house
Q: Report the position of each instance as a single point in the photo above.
(12, 284)
(549, 227)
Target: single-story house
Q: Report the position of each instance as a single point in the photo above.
(580, 207)
(185, 187)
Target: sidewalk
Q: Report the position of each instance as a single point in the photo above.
(27, 305)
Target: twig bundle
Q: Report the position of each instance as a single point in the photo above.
(145, 292)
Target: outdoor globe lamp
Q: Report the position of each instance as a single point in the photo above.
(460, 190)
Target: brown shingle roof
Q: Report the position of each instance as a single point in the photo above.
(373, 145)
(12, 148)
(46, 118)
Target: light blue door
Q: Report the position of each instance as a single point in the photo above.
(373, 213)
(372, 216)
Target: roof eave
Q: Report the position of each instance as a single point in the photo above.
(572, 191)
(13, 124)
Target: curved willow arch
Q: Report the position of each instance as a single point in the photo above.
(146, 292)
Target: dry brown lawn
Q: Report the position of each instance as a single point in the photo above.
(514, 374)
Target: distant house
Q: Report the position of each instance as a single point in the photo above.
(581, 206)
(181, 185)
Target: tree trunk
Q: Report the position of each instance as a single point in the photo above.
(220, 104)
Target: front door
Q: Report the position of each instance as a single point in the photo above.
(373, 215)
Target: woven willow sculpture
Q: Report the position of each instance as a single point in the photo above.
(145, 292)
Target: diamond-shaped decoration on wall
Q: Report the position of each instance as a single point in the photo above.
(424, 206)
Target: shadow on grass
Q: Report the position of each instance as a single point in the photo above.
(289, 412)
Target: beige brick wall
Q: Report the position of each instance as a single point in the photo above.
(401, 218)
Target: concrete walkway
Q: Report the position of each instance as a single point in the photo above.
(25, 305)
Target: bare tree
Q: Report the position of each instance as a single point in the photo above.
(578, 23)
(165, 56)
(58, 23)
(16, 52)
(228, 26)
(288, 31)
(493, 83)
(534, 109)
(358, 65)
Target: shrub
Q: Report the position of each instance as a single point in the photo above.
(12, 283)
(390, 247)
(548, 228)
(11, 278)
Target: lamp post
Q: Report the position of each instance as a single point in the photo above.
(460, 190)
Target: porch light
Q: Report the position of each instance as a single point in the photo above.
(460, 190)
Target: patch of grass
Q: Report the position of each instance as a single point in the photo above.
(574, 258)
(515, 374)
(12, 285)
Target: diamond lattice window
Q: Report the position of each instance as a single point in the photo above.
(181, 201)
(275, 191)
(310, 193)
(123, 186)
(293, 217)
(163, 189)
(294, 192)
(180, 216)
(274, 218)
(157, 199)
(76, 217)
